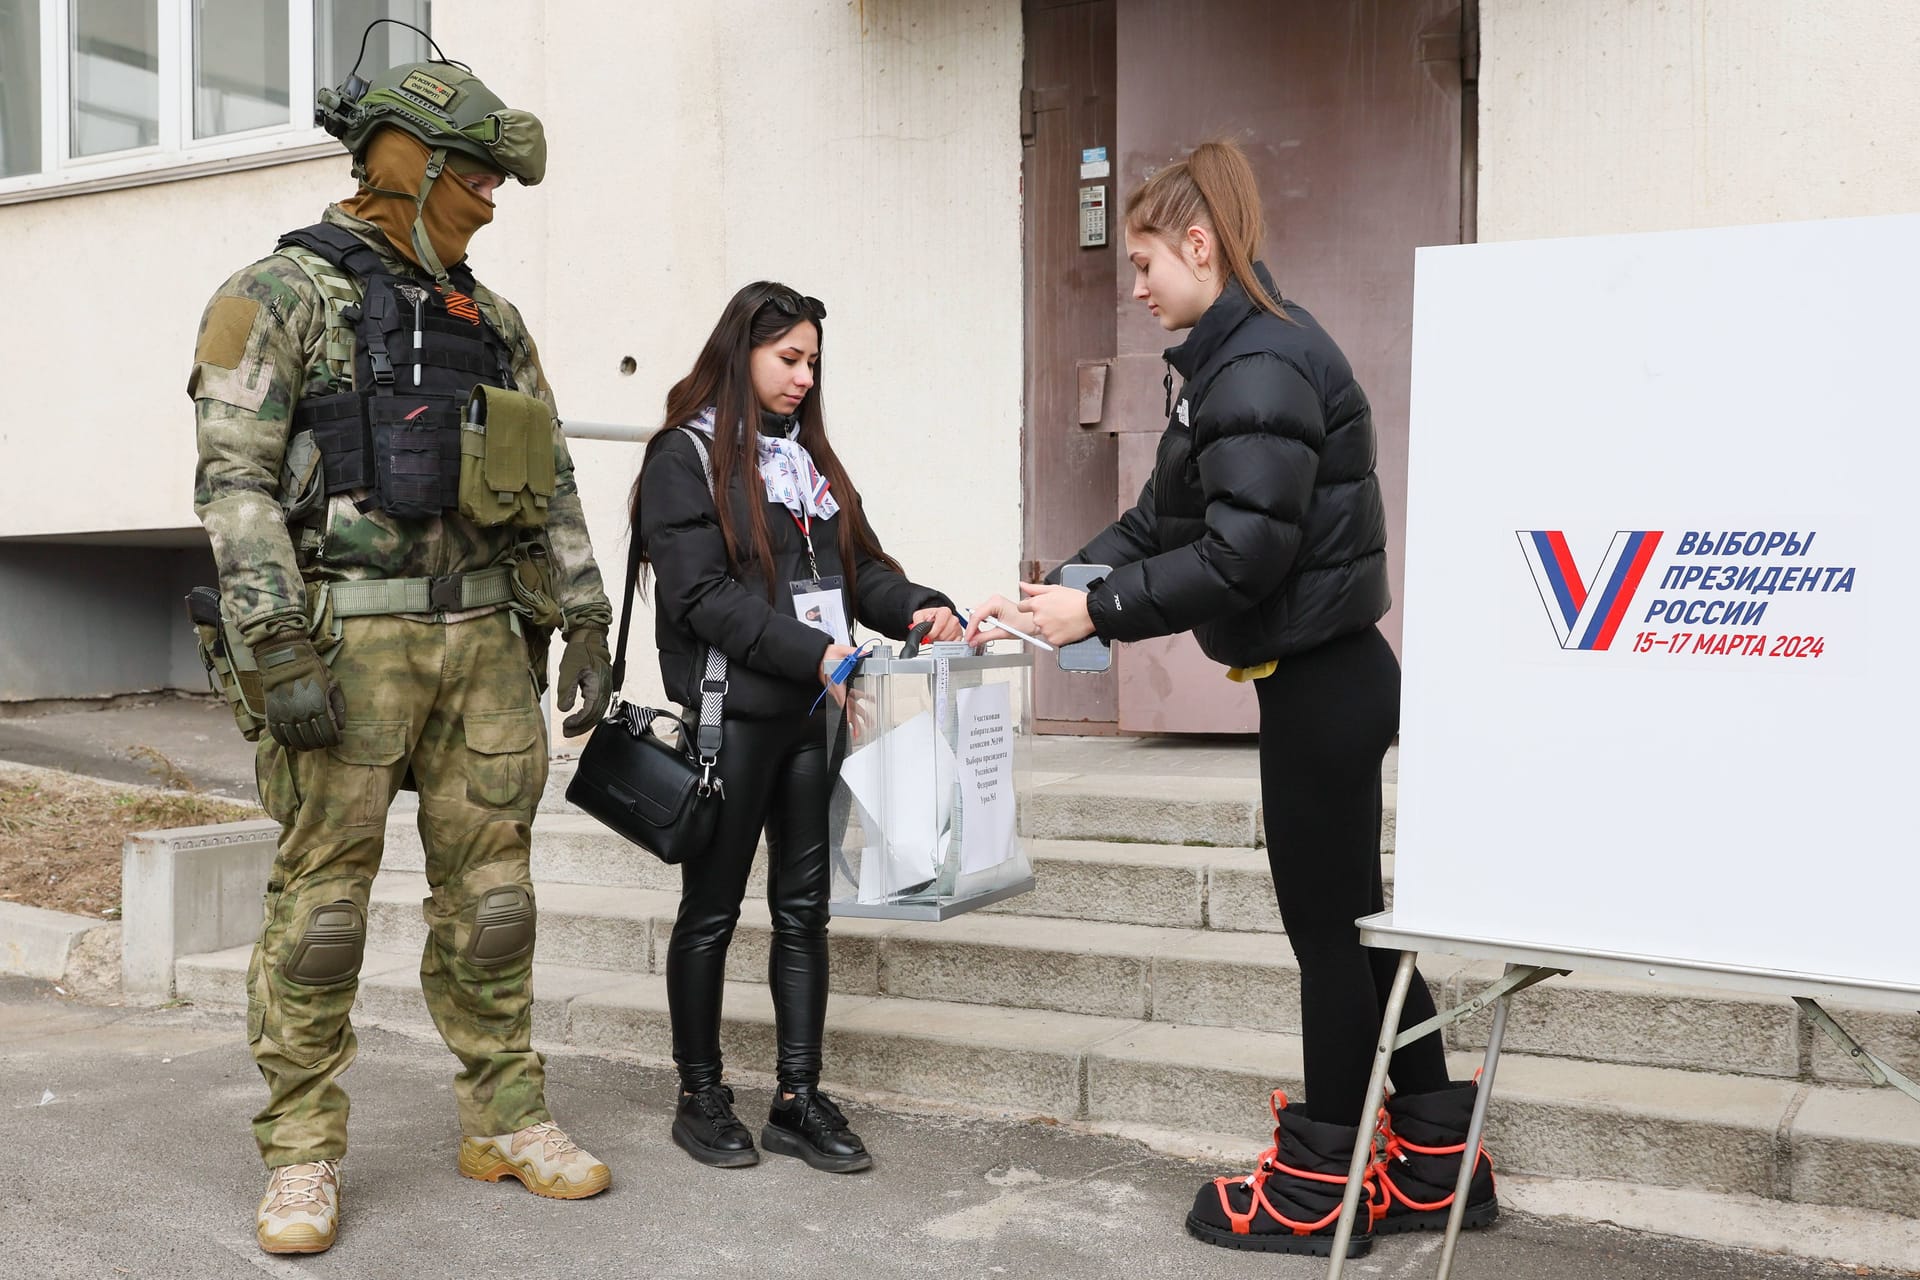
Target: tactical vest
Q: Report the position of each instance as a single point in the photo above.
(417, 356)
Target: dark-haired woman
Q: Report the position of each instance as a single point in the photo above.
(751, 528)
(1262, 531)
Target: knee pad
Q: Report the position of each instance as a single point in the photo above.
(331, 946)
(502, 926)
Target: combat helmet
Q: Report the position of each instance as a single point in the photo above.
(443, 104)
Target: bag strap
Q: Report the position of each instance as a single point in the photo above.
(713, 687)
(713, 683)
(626, 611)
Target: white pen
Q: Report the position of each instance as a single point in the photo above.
(998, 625)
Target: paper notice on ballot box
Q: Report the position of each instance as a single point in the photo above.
(986, 777)
(903, 782)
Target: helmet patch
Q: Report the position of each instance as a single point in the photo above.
(430, 88)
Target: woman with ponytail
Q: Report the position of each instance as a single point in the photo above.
(760, 549)
(1262, 531)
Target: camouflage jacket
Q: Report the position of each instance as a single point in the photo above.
(261, 347)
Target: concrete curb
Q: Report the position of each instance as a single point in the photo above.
(53, 946)
(186, 891)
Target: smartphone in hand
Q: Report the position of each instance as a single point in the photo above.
(1092, 654)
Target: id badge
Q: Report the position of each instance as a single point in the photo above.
(823, 606)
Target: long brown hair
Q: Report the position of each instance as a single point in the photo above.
(761, 313)
(1214, 187)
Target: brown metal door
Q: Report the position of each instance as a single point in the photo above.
(1069, 469)
(1351, 113)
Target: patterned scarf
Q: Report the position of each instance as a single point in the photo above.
(787, 470)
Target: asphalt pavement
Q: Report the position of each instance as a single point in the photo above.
(101, 740)
(125, 1152)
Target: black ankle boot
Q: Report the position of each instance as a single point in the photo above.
(1291, 1202)
(809, 1126)
(1426, 1137)
(706, 1129)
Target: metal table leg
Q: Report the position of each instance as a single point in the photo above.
(1376, 1095)
(1878, 1069)
(1476, 1129)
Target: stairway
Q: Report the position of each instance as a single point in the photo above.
(1146, 986)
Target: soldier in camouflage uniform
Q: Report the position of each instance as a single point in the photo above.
(397, 649)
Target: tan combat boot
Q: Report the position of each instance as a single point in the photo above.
(542, 1157)
(300, 1213)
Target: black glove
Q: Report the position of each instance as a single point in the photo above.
(587, 666)
(305, 708)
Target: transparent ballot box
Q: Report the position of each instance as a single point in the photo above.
(924, 820)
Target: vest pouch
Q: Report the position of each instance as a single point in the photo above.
(506, 459)
(338, 427)
(413, 454)
(303, 487)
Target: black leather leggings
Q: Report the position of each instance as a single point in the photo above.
(778, 775)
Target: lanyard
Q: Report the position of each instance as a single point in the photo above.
(804, 522)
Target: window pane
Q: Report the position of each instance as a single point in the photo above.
(339, 24)
(19, 87)
(240, 66)
(116, 75)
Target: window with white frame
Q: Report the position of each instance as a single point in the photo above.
(105, 93)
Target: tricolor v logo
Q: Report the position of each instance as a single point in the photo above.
(1586, 612)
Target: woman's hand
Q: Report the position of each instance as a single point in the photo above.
(1056, 614)
(830, 662)
(992, 607)
(945, 627)
(860, 713)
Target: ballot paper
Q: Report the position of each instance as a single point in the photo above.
(903, 782)
(986, 777)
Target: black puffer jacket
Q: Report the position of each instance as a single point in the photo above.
(774, 656)
(1262, 529)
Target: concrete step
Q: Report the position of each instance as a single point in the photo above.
(1122, 807)
(1134, 809)
(1650, 1126)
(1176, 886)
(1189, 977)
(568, 848)
(1651, 1024)
(626, 930)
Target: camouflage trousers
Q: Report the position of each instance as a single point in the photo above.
(455, 704)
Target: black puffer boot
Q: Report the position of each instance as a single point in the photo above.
(809, 1126)
(1426, 1134)
(706, 1129)
(1291, 1203)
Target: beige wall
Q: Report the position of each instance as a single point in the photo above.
(876, 167)
(1636, 115)
(103, 298)
(866, 151)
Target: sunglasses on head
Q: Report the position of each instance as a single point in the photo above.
(797, 305)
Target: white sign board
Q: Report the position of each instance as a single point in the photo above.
(986, 777)
(1660, 630)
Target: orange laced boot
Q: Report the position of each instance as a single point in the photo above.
(1412, 1182)
(1291, 1202)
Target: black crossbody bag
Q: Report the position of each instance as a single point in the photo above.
(661, 795)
